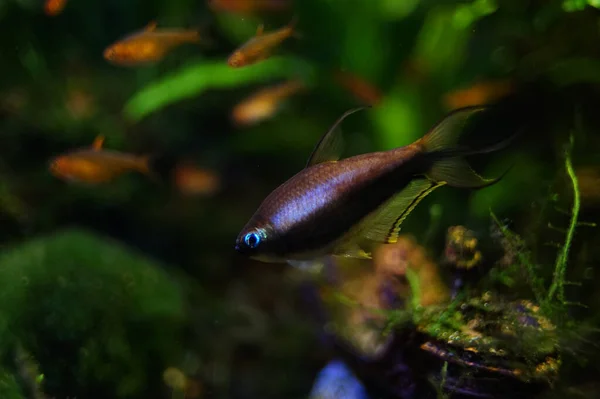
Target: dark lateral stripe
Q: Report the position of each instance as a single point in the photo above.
(395, 229)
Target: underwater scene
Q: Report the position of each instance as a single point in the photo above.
(299, 199)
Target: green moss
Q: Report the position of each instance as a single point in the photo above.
(105, 311)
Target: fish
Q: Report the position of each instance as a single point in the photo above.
(338, 206)
(248, 6)
(261, 45)
(149, 45)
(191, 180)
(54, 7)
(359, 87)
(480, 93)
(264, 103)
(94, 165)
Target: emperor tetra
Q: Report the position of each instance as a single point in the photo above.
(334, 206)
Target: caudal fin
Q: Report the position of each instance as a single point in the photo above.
(445, 134)
(447, 162)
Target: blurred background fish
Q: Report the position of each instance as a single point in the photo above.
(264, 103)
(54, 7)
(191, 180)
(261, 46)
(480, 93)
(361, 89)
(148, 45)
(95, 165)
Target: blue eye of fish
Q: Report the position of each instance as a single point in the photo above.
(252, 240)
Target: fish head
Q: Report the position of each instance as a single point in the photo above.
(256, 242)
(61, 166)
(112, 52)
(121, 52)
(237, 59)
(72, 167)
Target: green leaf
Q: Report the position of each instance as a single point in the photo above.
(193, 80)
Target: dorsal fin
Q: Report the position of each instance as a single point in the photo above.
(329, 148)
(98, 142)
(151, 27)
(260, 30)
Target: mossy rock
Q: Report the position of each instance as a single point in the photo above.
(96, 316)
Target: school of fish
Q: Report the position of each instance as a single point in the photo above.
(335, 205)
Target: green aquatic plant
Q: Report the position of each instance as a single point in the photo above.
(105, 311)
(523, 257)
(578, 5)
(558, 282)
(193, 80)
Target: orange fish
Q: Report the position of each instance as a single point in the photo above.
(95, 165)
(260, 46)
(360, 88)
(148, 45)
(54, 7)
(248, 6)
(191, 180)
(481, 93)
(264, 103)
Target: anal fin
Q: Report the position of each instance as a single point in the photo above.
(383, 225)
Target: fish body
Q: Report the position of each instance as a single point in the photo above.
(148, 46)
(264, 103)
(334, 207)
(54, 7)
(248, 6)
(260, 46)
(95, 165)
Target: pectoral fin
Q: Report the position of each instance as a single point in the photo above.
(330, 147)
(383, 225)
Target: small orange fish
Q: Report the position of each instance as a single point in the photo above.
(248, 6)
(260, 46)
(360, 88)
(95, 165)
(481, 93)
(148, 46)
(54, 7)
(264, 103)
(191, 180)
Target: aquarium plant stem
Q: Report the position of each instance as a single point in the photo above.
(558, 282)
